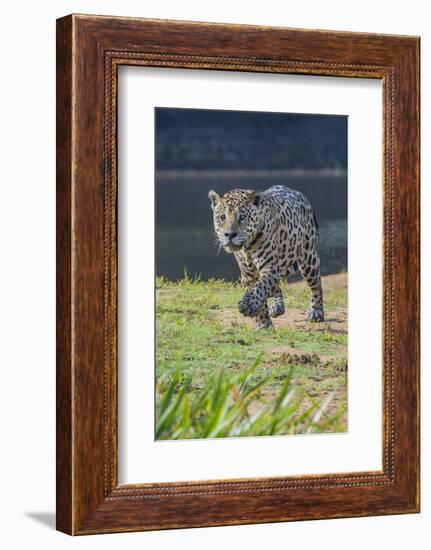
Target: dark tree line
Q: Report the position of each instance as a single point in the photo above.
(211, 140)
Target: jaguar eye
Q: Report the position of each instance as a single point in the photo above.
(222, 217)
(241, 218)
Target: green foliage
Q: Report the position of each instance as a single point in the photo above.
(223, 408)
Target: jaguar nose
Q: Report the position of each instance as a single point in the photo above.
(230, 235)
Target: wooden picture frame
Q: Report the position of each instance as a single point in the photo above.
(89, 51)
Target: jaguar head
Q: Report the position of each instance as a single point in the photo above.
(237, 217)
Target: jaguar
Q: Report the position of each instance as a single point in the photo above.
(271, 234)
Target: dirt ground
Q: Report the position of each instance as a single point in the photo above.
(319, 369)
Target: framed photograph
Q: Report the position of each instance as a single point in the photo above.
(237, 274)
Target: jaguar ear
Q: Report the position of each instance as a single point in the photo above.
(256, 197)
(214, 198)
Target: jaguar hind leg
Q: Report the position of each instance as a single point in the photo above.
(310, 270)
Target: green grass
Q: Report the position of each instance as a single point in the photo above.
(203, 345)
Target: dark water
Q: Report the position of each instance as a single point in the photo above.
(193, 250)
(185, 240)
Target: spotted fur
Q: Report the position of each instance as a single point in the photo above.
(271, 234)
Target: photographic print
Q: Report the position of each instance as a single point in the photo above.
(251, 273)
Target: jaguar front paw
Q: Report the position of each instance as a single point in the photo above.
(315, 315)
(248, 305)
(264, 325)
(276, 308)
